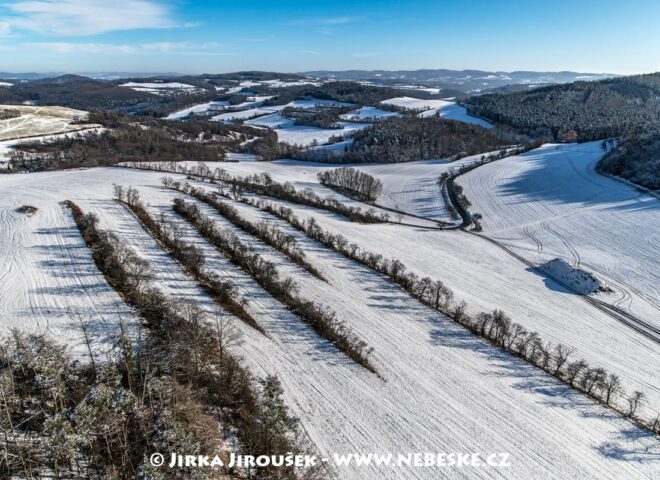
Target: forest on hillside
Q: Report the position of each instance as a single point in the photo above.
(625, 107)
(84, 93)
(406, 139)
(131, 138)
(350, 92)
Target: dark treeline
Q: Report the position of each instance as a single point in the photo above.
(263, 184)
(636, 157)
(352, 182)
(266, 232)
(175, 388)
(340, 91)
(7, 113)
(321, 116)
(188, 255)
(496, 326)
(406, 139)
(323, 320)
(626, 107)
(268, 147)
(130, 138)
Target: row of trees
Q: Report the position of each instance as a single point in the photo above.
(496, 326)
(323, 320)
(352, 182)
(265, 231)
(170, 386)
(189, 256)
(263, 184)
(7, 113)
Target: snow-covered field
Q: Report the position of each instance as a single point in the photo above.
(160, 88)
(442, 389)
(316, 102)
(6, 146)
(307, 135)
(273, 120)
(479, 272)
(551, 203)
(411, 103)
(444, 108)
(369, 113)
(36, 120)
(200, 108)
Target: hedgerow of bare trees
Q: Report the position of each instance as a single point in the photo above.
(189, 256)
(265, 231)
(323, 320)
(496, 326)
(263, 184)
(170, 386)
(352, 182)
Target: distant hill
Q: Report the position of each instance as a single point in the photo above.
(85, 93)
(28, 75)
(467, 81)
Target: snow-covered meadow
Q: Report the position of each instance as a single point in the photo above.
(442, 389)
(37, 120)
(444, 108)
(160, 88)
(551, 203)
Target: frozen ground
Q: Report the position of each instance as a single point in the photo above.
(551, 203)
(36, 120)
(441, 388)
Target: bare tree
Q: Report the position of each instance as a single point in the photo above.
(574, 369)
(227, 335)
(634, 401)
(561, 357)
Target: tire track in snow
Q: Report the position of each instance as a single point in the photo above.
(572, 250)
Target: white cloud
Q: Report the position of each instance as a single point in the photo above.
(324, 21)
(85, 17)
(63, 48)
(5, 28)
(179, 48)
(338, 20)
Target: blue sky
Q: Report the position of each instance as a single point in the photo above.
(223, 36)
